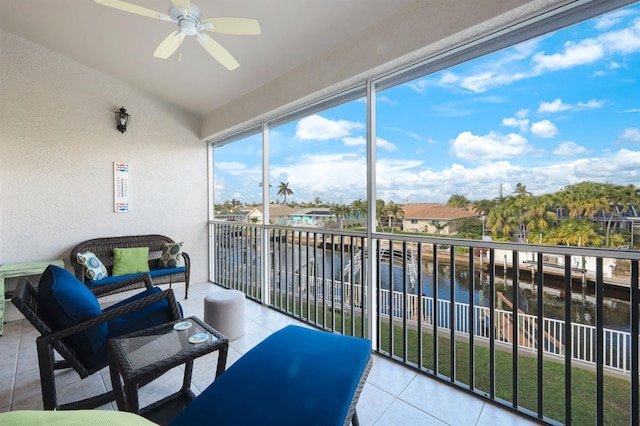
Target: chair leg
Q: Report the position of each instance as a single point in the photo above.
(354, 419)
(47, 377)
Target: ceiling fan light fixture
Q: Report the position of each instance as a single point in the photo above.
(188, 27)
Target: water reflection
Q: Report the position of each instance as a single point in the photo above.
(332, 265)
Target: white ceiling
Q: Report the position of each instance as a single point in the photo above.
(121, 44)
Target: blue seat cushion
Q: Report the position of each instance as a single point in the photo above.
(64, 301)
(149, 316)
(296, 376)
(153, 273)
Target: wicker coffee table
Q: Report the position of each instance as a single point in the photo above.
(138, 358)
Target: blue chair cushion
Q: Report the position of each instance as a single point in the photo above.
(149, 316)
(296, 376)
(64, 301)
(153, 273)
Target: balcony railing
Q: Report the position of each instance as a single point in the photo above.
(447, 307)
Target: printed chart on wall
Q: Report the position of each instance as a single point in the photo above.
(121, 187)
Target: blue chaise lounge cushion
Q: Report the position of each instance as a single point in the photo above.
(296, 376)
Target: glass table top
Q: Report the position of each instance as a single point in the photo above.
(164, 342)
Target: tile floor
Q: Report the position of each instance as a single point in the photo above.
(393, 394)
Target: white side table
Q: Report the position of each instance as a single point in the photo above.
(21, 269)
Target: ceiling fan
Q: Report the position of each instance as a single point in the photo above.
(191, 22)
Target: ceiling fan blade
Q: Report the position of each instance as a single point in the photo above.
(133, 8)
(237, 26)
(216, 50)
(169, 45)
(184, 4)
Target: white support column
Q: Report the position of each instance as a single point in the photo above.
(265, 259)
(211, 211)
(371, 278)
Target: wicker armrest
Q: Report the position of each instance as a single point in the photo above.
(187, 261)
(106, 316)
(101, 290)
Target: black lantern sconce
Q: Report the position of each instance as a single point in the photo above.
(122, 120)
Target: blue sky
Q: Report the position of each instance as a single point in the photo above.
(550, 112)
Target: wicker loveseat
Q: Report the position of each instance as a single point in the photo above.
(103, 249)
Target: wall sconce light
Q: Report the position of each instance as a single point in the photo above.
(122, 120)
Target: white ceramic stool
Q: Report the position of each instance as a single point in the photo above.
(224, 311)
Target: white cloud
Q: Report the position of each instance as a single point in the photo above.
(385, 99)
(624, 165)
(399, 180)
(631, 134)
(232, 167)
(523, 124)
(354, 141)
(479, 83)
(557, 106)
(361, 141)
(568, 148)
(585, 51)
(492, 146)
(590, 104)
(512, 66)
(610, 19)
(544, 129)
(319, 128)
(410, 178)
(632, 110)
(327, 176)
(385, 144)
(522, 113)
(622, 41)
(420, 86)
(554, 106)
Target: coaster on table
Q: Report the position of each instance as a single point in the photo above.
(198, 338)
(182, 325)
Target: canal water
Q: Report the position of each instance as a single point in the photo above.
(616, 310)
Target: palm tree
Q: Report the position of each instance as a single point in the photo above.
(359, 208)
(482, 207)
(340, 211)
(521, 191)
(575, 232)
(394, 211)
(590, 199)
(284, 190)
(539, 214)
(458, 201)
(438, 226)
(500, 220)
(317, 201)
(380, 211)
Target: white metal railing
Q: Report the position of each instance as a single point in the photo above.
(337, 294)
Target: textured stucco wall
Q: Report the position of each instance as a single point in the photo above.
(58, 142)
(425, 28)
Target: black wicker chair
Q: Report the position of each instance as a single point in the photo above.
(26, 301)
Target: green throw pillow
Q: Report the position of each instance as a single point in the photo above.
(130, 260)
